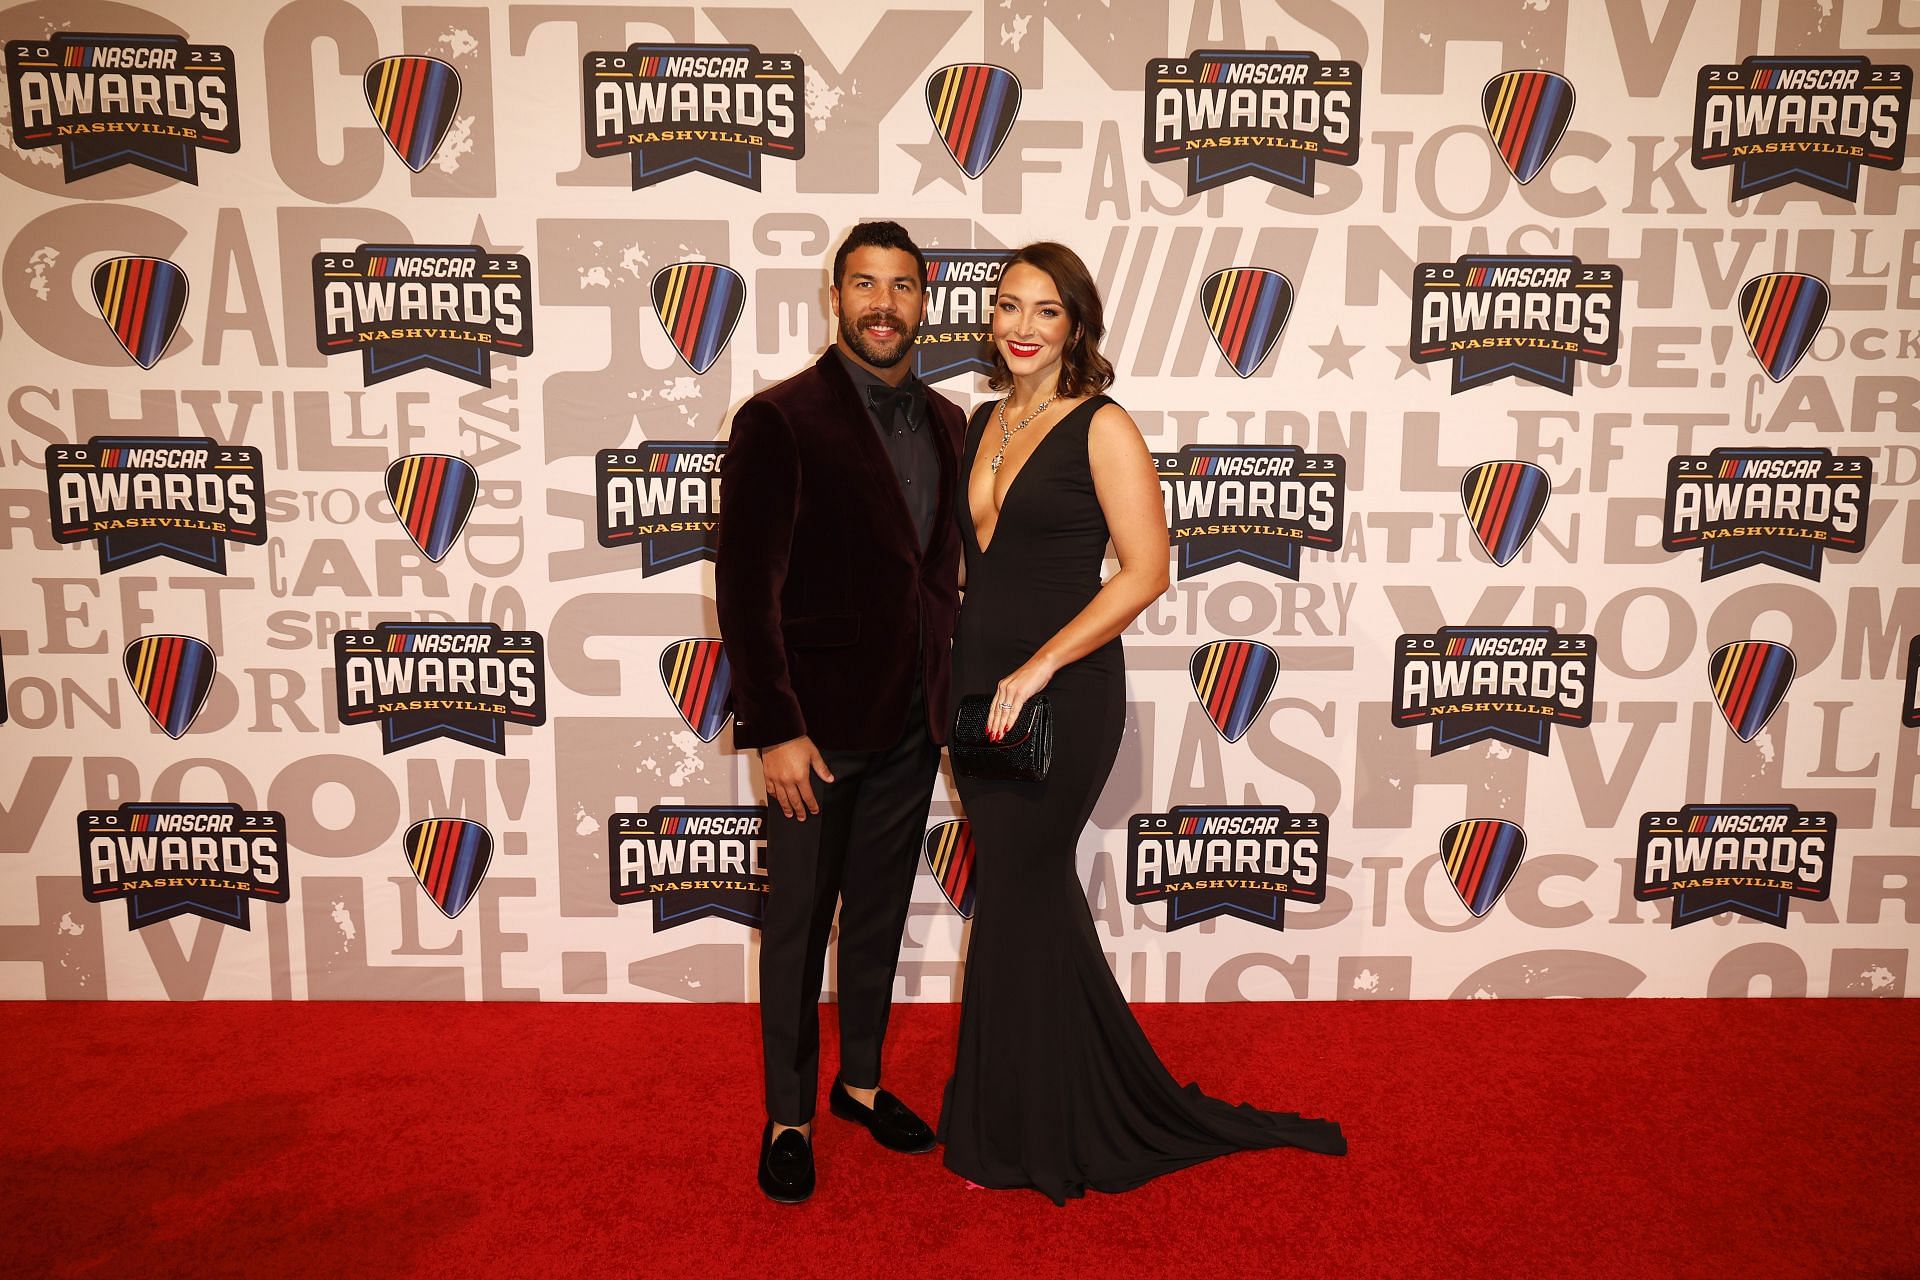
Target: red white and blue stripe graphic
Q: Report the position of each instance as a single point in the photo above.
(449, 857)
(432, 494)
(1781, 313)
(698, 304)
(171, 675)
(1526, 114)
(1232, 679)
(413, 99)
(700, 682)
(1246, 308)
(1481, 855)
(1504, 501)
(1750, 679)
(950, 858)
(142, 300)
(973, 105)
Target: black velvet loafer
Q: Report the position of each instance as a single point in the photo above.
(786, 1165)
(889, 1120)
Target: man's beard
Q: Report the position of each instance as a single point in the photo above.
(856, 338)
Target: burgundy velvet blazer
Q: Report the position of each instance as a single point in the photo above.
(828, 608)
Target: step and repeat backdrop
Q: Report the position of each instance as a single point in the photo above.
(1535, 391)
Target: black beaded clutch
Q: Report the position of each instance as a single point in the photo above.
(1022, 754)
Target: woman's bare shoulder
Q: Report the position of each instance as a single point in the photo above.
(1112, 427)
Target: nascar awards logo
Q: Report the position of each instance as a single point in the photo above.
(663, 497)
(1814, 121)
(699, 679)
(1909, 713)
(153, 101)
(449, 857)
(950, 854)
(432, 496)
(1245, 309)
(1750, 859)
(1779, 507)
(1498, 684)
(1527, 113)
(167, 860)
(413, 99)
(1252, 113)
(1504, 501)
(973, 106)
(695, 108)
(691, 862)
(171, 675)
(1749, 679)
(142, 301)
(423, 306)
(956, 317)
(1252, 504)
(1498, 316)
(425, 680)
(698, 304)
(1206, 861)
(1480, 856)
(142, 497)
(1781, 313)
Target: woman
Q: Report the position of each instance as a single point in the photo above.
(1055, 1086)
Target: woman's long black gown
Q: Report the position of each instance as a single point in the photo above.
(1055, 1087)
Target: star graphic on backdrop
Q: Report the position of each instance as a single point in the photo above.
(935, 165)
(1407, 363)
(1336, 354)
(485, 241)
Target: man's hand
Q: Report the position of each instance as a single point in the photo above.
(790, 767)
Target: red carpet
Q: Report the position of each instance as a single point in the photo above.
(1554, 1138)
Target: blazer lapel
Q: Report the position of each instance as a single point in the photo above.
(939, 411)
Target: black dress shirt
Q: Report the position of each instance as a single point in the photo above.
(900, 416)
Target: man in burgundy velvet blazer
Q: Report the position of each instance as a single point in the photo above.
(837, 585)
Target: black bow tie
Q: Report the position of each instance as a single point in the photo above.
(885, 400)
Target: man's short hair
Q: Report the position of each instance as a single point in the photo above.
(883, 235)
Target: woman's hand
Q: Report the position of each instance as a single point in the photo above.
(1011, 694)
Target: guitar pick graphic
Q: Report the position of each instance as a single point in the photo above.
(698, 304)
(432, 494)
(950, 858)
(1781, 313)
(1526, 113)
(449, 857)
(1504, 501)
(700, 682)
(1750, 679)
(413, 99)
(1232, 679)
(973, 105)
(1481, 855)
(142, 300)
(1246, 308)
(172, 676)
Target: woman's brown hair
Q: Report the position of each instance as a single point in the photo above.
(1083, 370)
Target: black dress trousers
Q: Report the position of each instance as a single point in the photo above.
(861, 850)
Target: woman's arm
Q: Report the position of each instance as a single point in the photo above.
(1128, 487)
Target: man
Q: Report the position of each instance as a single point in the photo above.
(837, 590)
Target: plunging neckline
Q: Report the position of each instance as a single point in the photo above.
(973, 521)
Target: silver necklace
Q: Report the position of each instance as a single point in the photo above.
(1007, 433)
